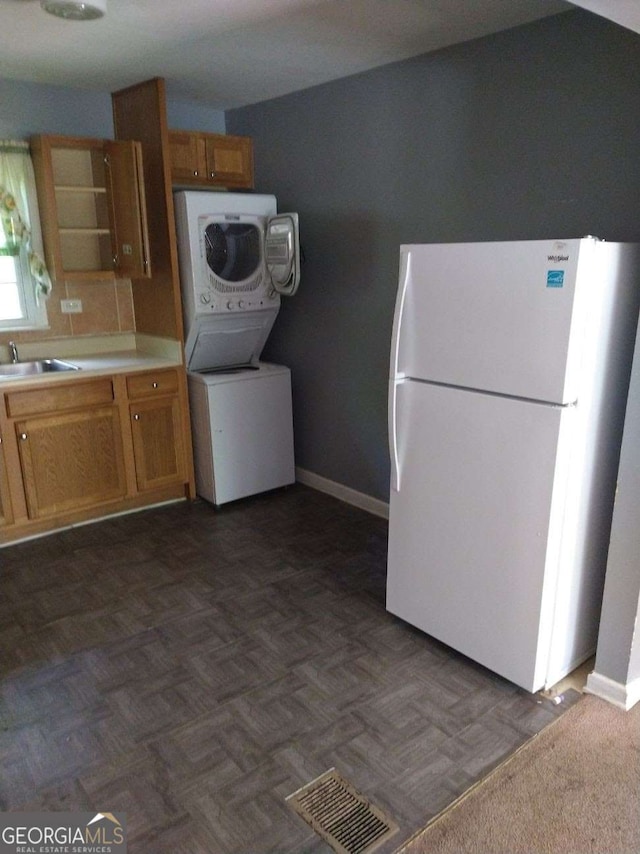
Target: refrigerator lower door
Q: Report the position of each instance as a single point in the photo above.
(475, 528)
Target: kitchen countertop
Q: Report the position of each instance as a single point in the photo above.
(123, 361)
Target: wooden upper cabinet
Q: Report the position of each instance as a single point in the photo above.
(188, 162)
(211, 159)
(92, 210)
(129, 231)
(229, 160)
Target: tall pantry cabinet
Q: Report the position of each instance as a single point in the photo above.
(139, 112)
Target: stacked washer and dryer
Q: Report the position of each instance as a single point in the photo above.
(237, 257)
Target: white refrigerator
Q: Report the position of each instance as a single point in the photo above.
(510, 364)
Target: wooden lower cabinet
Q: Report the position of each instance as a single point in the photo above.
(157, 428)
(157, 443)
(71, 460)
(79, 450)
(6, 515)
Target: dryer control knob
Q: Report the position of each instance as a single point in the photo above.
(205, 299)
(229, 305)
(241, 303)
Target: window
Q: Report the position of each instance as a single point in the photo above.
(24, 281)
(19, 308)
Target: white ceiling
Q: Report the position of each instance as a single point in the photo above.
(228, 53)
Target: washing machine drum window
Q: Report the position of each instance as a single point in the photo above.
(233, 250)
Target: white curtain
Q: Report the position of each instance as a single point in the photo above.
(19, 212)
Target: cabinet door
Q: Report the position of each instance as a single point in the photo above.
(92, 203)
(211, 159)
(71, 460)
(74, 207)
(186, 151)
(130, 237)
(5, 507)
(157, 442)
(229, 160)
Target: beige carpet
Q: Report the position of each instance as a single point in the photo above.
(572, 789)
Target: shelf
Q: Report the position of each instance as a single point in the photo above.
(85, 249)
(67, 188)
(84, 231)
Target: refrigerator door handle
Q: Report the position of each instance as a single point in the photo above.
(395, 376)
(398, 315)
(393, 434)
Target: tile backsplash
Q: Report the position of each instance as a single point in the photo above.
(107, 308)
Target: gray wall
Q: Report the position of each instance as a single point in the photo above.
(530, 133)
(187, 115)
(30, 108)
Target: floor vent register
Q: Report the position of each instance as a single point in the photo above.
(345, 819)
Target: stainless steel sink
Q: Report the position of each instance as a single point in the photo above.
(39, 366)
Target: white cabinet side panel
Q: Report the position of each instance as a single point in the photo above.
(470, 541)
(201, 437)
(595, 455)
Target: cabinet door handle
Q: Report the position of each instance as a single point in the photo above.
(154, 385)
(24, 437)
(195, 173)
(136, 417)
(212, 175)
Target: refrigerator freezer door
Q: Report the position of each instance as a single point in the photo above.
(501, 317)
(473, 544)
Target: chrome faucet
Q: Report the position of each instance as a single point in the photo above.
(13, 353)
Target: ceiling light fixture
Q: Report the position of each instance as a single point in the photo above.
(74, 10)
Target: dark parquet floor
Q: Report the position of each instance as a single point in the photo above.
(193, 667)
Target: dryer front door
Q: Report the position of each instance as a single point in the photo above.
(233, 248)
(282, 253)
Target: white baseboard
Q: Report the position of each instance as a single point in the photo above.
(617, 693)
(344, 493)
(91, 521)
